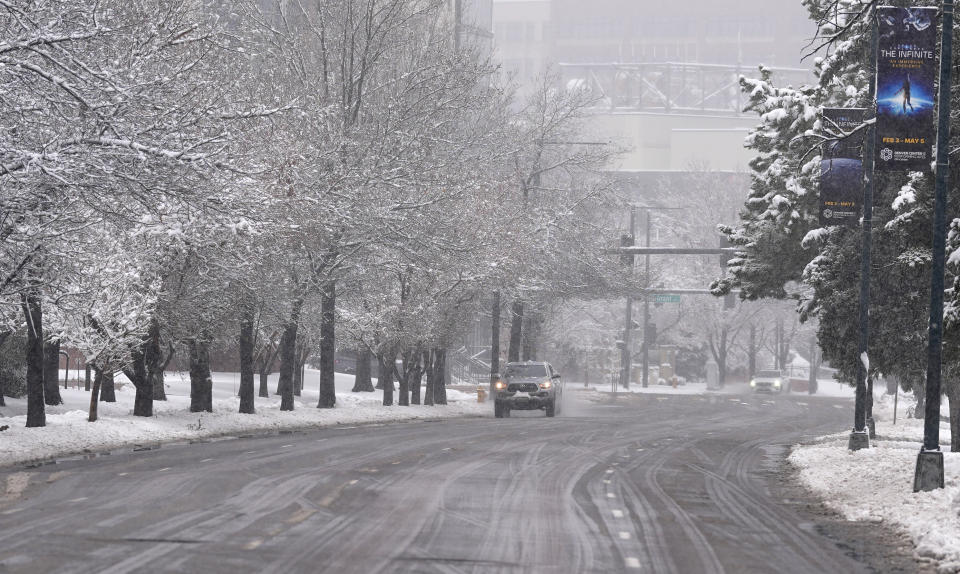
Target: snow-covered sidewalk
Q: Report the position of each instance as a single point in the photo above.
(68, 432)
(876, 484)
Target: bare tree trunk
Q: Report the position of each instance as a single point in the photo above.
(814, 367)
(152, 356)
(3, 387)
(95, 395)
(953, 396)
(264, 375)
(288, 359)
(752, 353)
(328, 303)
(246, 343)
(33, 313)
(494, 341)
(431, 378)
(919, 392)
(531, 332)
(108, 391)
(440, 376)
(137, 373)
(268, 359)
(408, 365)
(201, 385)
(362, 381)
(385, 376)
(516, 331)
(416, 377)
(298, 375)
(51, 373)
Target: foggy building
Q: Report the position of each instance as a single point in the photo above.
(665, 73)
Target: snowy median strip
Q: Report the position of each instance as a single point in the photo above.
(876, 484)
(68, 432)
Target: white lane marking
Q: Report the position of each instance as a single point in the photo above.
(624, 536)
(163, 469)
(81, 499)
(606, 481)
(250, 452)
(11, 511)
(122, 473)
(838, 406)
(617, 513)
(743, 403)
(802, 404)
(286, 446)
(624, 456)
(206, 460)
(610, 495)
(345, 428)
(640, 449)
(253, 544)
(632, 562)
(448, 448)
(352, 482)
(321, 439)
(609, 471)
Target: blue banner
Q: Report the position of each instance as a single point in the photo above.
(906, 70)
(841, 166)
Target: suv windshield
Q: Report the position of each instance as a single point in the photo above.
(775, 374)
(533, 370)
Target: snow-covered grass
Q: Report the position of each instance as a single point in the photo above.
(68, 432)
(826, 388)
(876, 484)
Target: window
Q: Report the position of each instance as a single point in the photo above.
(530, 370)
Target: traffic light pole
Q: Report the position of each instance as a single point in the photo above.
(929, 471)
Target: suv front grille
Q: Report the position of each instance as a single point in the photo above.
(523, 387)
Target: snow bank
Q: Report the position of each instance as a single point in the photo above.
(68, 432)
(876, 484)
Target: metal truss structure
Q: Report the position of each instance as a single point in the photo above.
(671, 87)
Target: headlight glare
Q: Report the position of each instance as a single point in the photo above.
(500, 385)
(545, 385)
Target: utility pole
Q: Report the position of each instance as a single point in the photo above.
(646, 310)
(860, 437)
(625, 355)
(929, 472)
(494, 342)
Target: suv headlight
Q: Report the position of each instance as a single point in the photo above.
(499, 385)
(753, 382)
(546, 385)
(776, 383)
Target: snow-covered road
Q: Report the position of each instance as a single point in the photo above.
(656, 483)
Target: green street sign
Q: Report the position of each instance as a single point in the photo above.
(666, 298)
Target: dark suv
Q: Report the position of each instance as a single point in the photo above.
(528, 386)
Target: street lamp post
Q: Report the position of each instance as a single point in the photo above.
(860, 437)
(929, 471)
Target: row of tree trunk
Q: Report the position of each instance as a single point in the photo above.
(149, 359)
